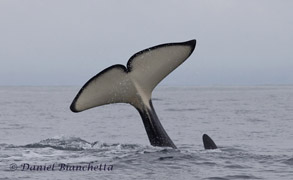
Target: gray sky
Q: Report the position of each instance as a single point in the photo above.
(66, 42)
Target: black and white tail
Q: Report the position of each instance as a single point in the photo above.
(134, 84)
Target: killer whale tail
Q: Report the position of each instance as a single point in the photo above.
(208, 142)
(134, 84)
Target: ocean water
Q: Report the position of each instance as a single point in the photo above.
(40, 138)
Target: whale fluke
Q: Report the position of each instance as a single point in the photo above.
(134, 84)
(208, 142)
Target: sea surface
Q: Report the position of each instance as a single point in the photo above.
(40, 138)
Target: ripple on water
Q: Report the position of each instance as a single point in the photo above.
(140, 158)
(289, 161)
(233, 177)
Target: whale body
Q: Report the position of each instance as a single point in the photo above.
(134, 84)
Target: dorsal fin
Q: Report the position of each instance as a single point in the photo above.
(208, 142)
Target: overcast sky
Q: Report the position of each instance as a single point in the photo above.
(66, 42)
